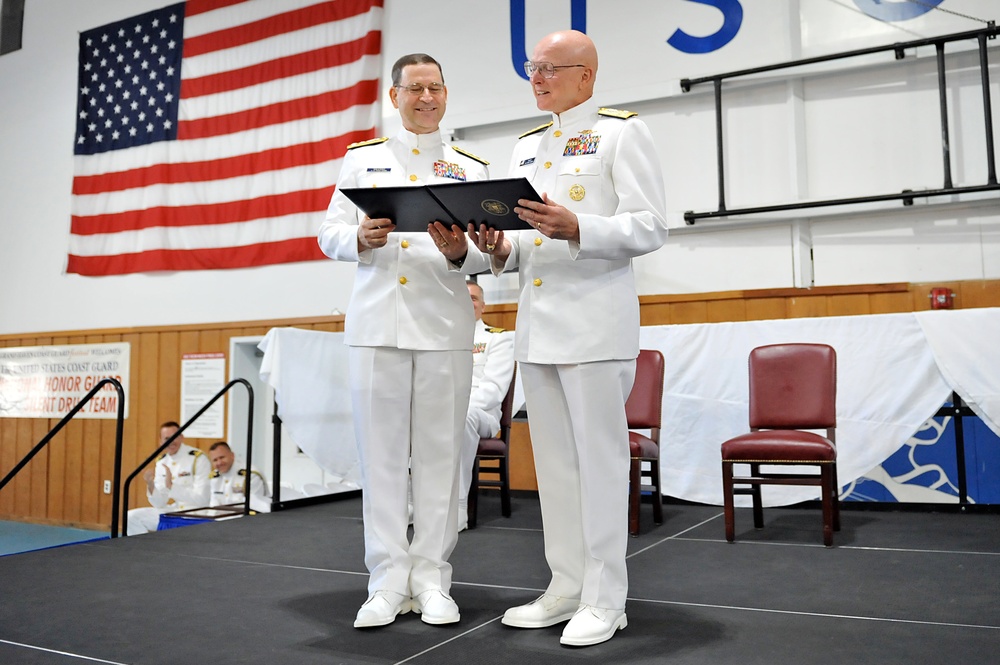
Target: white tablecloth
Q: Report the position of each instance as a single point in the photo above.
(894, 372)
(308, 371)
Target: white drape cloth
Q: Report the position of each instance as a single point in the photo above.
(308, 371)
(894, 372)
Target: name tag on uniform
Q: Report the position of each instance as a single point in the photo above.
(378, 169)
(530, 160)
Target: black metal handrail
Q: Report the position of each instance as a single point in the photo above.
(163, 446)
(120, 418)
(990, 32)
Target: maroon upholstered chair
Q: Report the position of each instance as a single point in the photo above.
(643, 409)
(494, 451)
(793, 387)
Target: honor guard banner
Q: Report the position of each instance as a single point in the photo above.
(209, 133)
(48, 381)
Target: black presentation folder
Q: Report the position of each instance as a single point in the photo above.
(489, 202)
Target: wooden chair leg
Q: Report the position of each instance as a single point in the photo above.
(826, 472)
(758, 502)
(654, 475)
(728, 504)
(474, 494)
(504, 486)
(634, 478)
(836, 499)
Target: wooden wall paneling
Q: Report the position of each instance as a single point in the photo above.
(21, 484)
(168, 389)
(803, 306)
(38, 468)
(521, 462)
(8, 451)
(983, 293)
(56, 481)
(130, 430)
(654, 313)
(145, 382)
(848, 305)
(90, 482)
(765, 309)
(891, 303)
(75, 443)
(717, 311)
(688, 312)
(106, 465)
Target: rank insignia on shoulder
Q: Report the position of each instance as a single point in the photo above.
(468, 154)
(540, 128)
(362, 144)
(495, 330)
(195, 452)
(215, 474)
(616, 113)
(243, 472)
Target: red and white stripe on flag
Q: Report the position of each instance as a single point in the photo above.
(238, 168)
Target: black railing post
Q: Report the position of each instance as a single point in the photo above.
(719, 147)
(943, 102)
(163, 446)
(984, 75)
(62, 423)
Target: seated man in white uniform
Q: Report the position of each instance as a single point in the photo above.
(178, 481)
(492, 369)
(229, 476)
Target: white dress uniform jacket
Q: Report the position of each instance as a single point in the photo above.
(492, 367)
(229, 487)
(395, 284)
(578, 301)
(190, 470)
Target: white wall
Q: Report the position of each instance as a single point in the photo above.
(848, 129)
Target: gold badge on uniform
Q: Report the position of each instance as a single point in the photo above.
(577, 192)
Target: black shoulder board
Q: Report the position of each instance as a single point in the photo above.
(194, 452)
(243, 472)
(615, 113)
(540, 128)
(215, 474)
(362, 144)
(470, 155)
(495, 330)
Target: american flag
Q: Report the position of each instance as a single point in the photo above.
(210, 133)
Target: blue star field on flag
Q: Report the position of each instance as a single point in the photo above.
(129, 82)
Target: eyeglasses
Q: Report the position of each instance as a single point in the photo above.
(546, 69)
(418, 88)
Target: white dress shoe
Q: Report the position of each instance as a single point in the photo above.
(381, 609)
(546, 610)
(436, 607)
(592, 625)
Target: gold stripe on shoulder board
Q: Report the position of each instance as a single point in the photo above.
(616, 113)
(362, 144)
(468, 154)
(540, 128)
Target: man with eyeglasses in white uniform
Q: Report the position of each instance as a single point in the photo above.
(409, 328)
(578, 328)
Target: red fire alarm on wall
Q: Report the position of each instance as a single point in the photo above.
(942, 298)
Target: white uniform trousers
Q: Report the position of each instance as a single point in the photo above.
(579, 436)
(409, 416)
(478, 425)
(143, 520)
